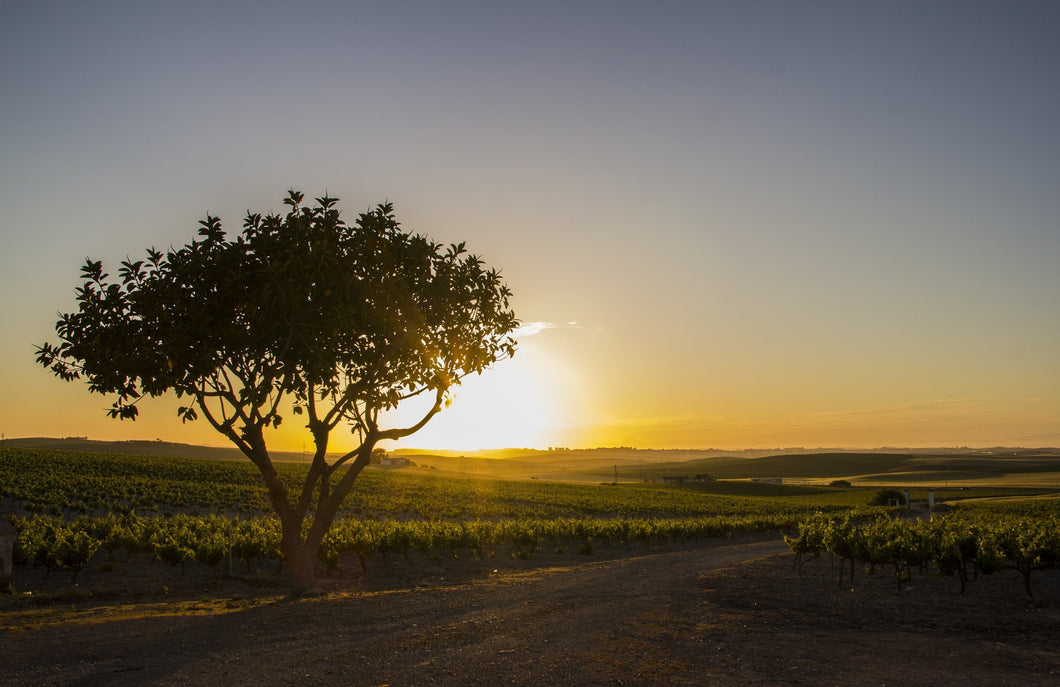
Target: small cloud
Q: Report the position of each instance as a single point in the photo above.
(531, 328)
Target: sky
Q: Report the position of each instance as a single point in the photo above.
(726, 224)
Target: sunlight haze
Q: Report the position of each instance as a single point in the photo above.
(725, 224)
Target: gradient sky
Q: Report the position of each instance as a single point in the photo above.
(736, 224)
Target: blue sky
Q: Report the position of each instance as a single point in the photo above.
(815, 223)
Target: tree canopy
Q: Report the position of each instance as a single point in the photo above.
(298, 314)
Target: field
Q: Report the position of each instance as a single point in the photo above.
(71, 505)
(923, 468)
(936, 467)
(114, 545)
(71, 508)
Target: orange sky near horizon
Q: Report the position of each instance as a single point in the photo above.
(726, 225)
(541, 398)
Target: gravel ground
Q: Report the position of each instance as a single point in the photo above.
(730, 612)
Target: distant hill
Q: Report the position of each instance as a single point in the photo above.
(145, 448)
(876, 467)
(880, 466)
(898, 466)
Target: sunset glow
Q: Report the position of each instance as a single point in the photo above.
(519, 403)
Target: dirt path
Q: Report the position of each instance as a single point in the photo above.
(722, 614)
(551, 625)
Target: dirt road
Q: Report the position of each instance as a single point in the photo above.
(722, 614)
(556, 625)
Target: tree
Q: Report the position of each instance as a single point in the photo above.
(300, 313)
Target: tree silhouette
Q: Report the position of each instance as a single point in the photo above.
(300, 313)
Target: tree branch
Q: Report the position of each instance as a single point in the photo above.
(399, 433)
(225, 427)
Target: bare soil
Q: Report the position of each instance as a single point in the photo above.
(730, 612)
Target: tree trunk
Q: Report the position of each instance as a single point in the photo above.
(299, 556)
(302, 566)
(300, 553)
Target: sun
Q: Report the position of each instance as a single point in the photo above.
(516, 403)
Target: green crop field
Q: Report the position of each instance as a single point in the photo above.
(976, 540)
(71, 506)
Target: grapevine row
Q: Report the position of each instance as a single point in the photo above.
(178, 540)
(960, 544)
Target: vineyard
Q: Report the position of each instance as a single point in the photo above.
(71, 508)
(967, 544)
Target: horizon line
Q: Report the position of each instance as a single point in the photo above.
(563, 449)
